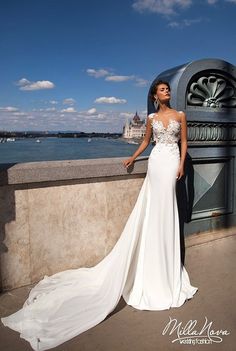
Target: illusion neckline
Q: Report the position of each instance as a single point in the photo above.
(169, 122)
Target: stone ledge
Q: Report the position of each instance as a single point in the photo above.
(51, 171)
(202, 238)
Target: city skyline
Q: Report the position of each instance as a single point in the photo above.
(74, 65)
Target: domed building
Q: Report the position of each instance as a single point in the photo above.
(134, 129)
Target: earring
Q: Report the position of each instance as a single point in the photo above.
(156, 104)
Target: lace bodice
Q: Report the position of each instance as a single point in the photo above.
(168, 135)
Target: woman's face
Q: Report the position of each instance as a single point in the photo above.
(163, 93)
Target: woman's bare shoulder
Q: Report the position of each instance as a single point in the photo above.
(179, 115)
(182, 115)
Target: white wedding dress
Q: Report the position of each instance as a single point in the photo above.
(144, 266)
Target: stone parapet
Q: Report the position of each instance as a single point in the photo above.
(48, 171)
(62, 215)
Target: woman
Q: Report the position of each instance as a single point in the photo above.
(144, 266)
(160, 280)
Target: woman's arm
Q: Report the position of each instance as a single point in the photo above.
(184, 145)
(142, 146)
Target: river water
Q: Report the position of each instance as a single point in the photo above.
(50, 149)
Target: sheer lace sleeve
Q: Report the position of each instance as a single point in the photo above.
(150, 117)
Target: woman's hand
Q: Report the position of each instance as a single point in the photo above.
(128, 162)
(180, 172)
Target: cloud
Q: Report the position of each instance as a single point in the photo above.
(140, 82)
(89, 120)
(53, 102)
(25, 84)
(69, 110)
(97, 73)
(19, 114)
(9, 109)
(184, 23)
(91, 111)
(130, 115)
(167, 7)
(69, 101)
(164, 7)
(102, 116)
(127, 114)
(109, 100)
(144, 113)
(110, 77)
(119, 78)
(174, 24)
(22, 82)
(51, 109)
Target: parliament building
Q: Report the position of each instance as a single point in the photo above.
(134, 129)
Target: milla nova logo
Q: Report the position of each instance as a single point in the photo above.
(189, 334)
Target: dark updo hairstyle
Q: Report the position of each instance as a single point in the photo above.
(154, 89)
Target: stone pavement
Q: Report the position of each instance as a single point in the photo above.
(211, 267)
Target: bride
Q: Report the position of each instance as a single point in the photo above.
(144, 266)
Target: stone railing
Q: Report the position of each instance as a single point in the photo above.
(62, 214)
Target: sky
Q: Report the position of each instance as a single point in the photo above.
(88, 65)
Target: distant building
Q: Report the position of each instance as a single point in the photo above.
(134, 128)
